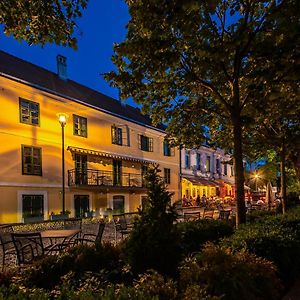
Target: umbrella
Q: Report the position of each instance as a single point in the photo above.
(269, 195)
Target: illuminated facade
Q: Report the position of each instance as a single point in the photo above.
(205, 172)
(108, 146)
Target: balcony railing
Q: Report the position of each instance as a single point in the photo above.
(100, 178)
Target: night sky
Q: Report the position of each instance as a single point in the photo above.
(102, 24)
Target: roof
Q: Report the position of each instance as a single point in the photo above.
(16, 68)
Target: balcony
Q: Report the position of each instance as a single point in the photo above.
(99, 178)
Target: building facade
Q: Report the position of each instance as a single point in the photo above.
(108, 146)
(206, 171)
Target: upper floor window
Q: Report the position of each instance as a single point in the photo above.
(225, 169)
(187, 159)
(208, 163)
(198, 161)
(80, 125)
(145, 143)
(168, 150)
(218, 166)
(29, 112)
(116, 135)
(31, 160)
(167, 175)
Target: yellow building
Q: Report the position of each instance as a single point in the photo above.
(108, 146)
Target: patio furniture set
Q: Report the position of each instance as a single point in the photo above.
(26, 247)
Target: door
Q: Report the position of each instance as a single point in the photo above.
(117, 172)
(118, 203)
(80, 169)
(81, 205)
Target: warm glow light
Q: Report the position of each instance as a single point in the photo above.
(256, 176)
(62, 118)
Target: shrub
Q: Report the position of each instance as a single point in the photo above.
(195, 234)
(274, 238)
(47, 272)
(154, 241)
(222, 273)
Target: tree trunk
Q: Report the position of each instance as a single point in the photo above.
(238, 170)
(283, 178)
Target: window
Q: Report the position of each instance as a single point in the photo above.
(119, 204)
(225, 169)
(198, 161)
(207, 163)
(80, 125)
(187, 159)
(145, 143)
(81, 205)
(167, 175)
(29, 112)
(218, 166)
(168, 150)
(31, 160)
(33, 206)
(144, 173)
(116, 135)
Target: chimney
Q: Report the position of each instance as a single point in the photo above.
(61, 67)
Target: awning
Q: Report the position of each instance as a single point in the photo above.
(201, 181)
(108, 155)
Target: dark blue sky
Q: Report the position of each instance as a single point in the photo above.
(102, 24)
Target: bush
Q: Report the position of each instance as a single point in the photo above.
(47, 272)
(275, 238)
(154, 241)
(195, 234)
(222, 273)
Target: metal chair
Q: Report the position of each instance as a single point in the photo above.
(208, 213)
(29, 247)
(120, 225)
(224, 214)
(91, 238)
(191, 216)
(6, 242)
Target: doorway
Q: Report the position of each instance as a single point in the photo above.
(81, 205)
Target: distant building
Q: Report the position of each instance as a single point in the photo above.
(206, 171)
(108, 146)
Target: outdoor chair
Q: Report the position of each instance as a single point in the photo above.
(6, 243)
(130, 219)
(224, 214)
(29, 247)
(92, 238)
(120, 225)
(208, 213)
(191, 216)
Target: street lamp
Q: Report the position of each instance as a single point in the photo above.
(62, 118)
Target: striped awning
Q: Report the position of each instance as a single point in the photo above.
(91, 152)
(201, 181)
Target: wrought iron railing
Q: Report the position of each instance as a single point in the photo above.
(91, 177)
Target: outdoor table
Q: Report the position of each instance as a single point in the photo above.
(59, 238)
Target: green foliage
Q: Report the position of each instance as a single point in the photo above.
(153, 243)
(229, 275)
(49, 271)
(41, 22)
(276, 239)
(195, 234)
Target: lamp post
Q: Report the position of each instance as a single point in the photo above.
(62, 118)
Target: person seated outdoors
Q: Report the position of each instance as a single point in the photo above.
(204, 199)
(198, 201)
(184, 201)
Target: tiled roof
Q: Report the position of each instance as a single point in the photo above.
(44, 79)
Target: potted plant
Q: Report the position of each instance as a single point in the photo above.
(90, 214)
(60, 216)
(33, 217)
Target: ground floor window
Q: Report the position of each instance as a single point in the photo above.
(81, 205)
(144, 201)
(33, 206)
(119, 203)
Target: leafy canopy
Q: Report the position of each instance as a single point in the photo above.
(41, 22)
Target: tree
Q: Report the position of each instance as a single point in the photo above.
(154, 241)
(40, 22)
(191, 63)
